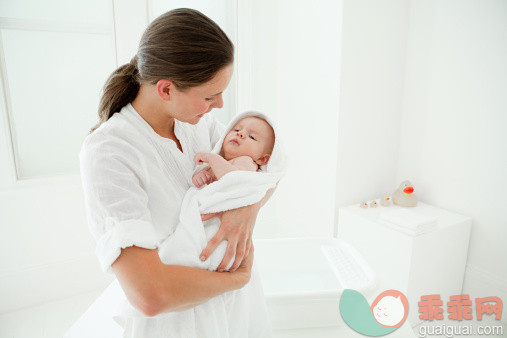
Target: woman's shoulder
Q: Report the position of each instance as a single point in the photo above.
(115, 137)
(117, 126)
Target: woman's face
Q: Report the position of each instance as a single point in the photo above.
(190, 105)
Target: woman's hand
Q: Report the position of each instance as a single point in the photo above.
(236, 228)
(244, 270)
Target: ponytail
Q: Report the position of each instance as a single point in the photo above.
(120, 89)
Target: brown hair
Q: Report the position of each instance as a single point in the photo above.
(182, 45)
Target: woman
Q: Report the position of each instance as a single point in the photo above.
(137, 164)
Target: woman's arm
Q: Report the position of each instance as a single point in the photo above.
(154, 287)
(236, 228)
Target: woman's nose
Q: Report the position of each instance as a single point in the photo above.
(219, 102)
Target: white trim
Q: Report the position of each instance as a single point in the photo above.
(481, 283)
(6, 108)
(114, 34)
(43, 182)
(12, 165)
(41, 25)
(486, 278)
(232, 22)
(149, 10)
(130, 20)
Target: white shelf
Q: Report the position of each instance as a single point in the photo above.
(431, 263)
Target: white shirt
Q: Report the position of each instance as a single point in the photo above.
(134, 180)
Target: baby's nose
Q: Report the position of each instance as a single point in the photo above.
(240, 134)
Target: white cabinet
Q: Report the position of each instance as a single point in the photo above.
(431, 263)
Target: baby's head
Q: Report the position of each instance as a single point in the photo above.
(251, 136)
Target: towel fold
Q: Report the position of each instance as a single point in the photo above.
(234, 190)
(409, 222)
(183, 247)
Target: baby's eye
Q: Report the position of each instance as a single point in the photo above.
(252, 137)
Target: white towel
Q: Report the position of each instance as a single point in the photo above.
(234, 190)
(183, 247)
(408, 222)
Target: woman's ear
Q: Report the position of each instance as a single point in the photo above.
(263, 159)
(165, 89)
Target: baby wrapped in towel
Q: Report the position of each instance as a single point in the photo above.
(246, 162)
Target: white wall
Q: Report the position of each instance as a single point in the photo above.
(47, 250)
(424, 97)
(453, 141)
(372, 68)
(421, 96)
(295, 79)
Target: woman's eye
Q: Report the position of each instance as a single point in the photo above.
(208, 98)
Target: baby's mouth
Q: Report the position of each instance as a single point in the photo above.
(235, 141)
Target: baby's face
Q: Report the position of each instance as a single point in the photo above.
(251, 136)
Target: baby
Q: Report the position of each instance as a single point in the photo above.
(246, 147)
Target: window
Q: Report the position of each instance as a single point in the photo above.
(56, 55)
(54, 58)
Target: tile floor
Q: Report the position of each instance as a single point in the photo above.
(53, 319)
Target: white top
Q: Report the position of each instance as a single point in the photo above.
(134, 180)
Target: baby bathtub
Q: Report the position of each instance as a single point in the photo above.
(301, 284)
(303, 279)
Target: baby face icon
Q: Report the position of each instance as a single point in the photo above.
(390, 308)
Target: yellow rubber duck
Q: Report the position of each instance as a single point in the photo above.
(404, 195)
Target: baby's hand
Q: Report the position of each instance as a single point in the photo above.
(202, 178)
(201, 158)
